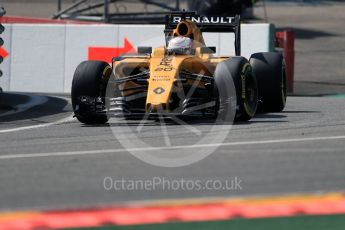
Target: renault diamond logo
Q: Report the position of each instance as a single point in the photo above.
(159, 90)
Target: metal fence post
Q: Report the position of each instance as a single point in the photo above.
(2, 29)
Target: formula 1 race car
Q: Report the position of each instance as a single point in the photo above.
(183, 78)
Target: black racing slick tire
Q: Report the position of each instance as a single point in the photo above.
(89, 80)
(239, 71)
(269, 69)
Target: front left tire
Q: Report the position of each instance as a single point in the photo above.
(239, 71)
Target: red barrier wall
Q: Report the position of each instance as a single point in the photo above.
(286, 41)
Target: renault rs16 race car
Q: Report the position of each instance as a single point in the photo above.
(182, 78)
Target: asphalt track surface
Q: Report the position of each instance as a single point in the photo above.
(49, 160)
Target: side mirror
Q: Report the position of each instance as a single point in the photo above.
(208, 50)
(144, 49)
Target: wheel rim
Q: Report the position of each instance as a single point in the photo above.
(249, 94)
(283, 85)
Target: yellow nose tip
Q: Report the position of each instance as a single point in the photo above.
(156, 108)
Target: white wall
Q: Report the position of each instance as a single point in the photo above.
(78, 39)
(42, 58)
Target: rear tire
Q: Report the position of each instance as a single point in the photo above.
(90, 79)
(270, 73)
(239, 71)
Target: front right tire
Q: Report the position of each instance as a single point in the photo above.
(90, 80)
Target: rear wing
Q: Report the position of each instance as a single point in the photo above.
(229, 24)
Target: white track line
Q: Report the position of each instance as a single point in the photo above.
(64, 120)
(104, 151)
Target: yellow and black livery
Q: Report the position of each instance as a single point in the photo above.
(162, 82)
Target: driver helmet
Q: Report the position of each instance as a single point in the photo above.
(180, 45)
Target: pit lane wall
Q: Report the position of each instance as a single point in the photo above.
(43, 57)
